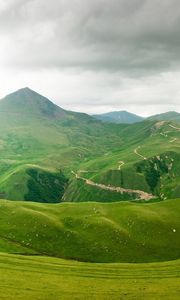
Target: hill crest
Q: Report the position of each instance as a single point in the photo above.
(167, 116)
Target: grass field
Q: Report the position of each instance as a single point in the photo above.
(43, 278)
(93, 232)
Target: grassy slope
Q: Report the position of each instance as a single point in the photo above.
(53, 145)
(51, 278)
(95, 232)
(31, 133)
(156, 176)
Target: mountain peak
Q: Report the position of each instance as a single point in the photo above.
(27, 101)
(26, 91)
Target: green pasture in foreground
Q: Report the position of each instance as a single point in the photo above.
(44, 278)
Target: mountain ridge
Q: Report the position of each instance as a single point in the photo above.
(122, 116)
(125, 117)
(167, 116)
(28, 99)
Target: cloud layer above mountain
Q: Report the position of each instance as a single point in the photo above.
(93, 55)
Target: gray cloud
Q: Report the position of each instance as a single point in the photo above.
(137, 35)
(110, 53)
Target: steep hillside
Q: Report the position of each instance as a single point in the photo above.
(26, 101)
(34, 131)
(119, 117)
(94, 232)
(33, 183)
(148, 160)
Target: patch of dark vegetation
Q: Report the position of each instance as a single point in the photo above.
(153, 169)
(44, 186)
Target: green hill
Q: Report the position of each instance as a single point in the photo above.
(148, 160)
(94, 232)
(34, 131)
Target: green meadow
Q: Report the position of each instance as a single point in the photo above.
(94, 232)
(45, 278)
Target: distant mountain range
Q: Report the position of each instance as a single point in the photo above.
(125, 117)
(119, 117)
(28, 101)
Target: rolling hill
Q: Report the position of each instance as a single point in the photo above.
(94, 232)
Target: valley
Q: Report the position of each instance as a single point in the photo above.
(86, 206)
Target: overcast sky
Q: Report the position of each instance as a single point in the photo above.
(93, 55)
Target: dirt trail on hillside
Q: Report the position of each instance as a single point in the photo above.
(137, 153)
(140, 194)
(173, 140)
(121, 163)
(174, 127)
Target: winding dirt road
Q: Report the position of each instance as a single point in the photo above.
(139, 194)
(137, 153)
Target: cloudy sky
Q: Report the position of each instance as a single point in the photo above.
(93, 55)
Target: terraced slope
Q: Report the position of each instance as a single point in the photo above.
(94, 232)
